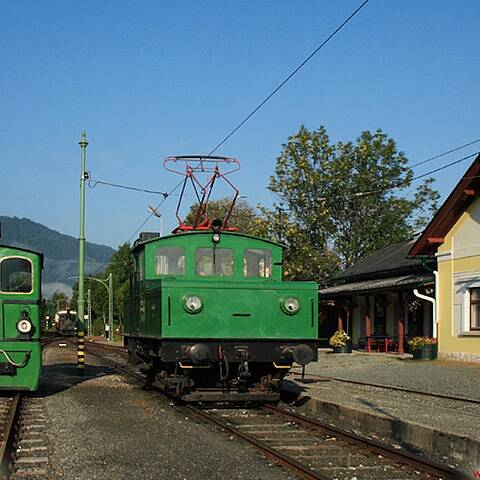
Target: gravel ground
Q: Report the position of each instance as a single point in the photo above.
(103, 427)
(439, 376)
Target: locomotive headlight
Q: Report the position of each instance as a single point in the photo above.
(290, 305)
(24, 325)
(192, 304)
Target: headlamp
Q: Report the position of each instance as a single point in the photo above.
(290, 305)
(192, 304)
(24, 325)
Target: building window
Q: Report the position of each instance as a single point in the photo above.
(214, 261)
(170, 261)
(257, 263)
(475, 308)
(16, 275)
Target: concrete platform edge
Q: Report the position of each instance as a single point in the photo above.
(446, 447)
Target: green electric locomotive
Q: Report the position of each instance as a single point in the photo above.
(211, 318)
(20, 297)
(208, 316)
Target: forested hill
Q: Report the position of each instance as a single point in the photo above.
(60, 251)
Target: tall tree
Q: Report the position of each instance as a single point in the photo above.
(244, 216)
(346, 199)
(120, 267)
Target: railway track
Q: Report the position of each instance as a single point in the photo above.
(23, 440)
(9, 410)
(307, 447)
(323, 378)
(318, 451)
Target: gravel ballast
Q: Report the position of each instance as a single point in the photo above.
(104, 426)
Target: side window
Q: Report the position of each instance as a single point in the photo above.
(214, 261)
(170, 261)
(16, 275)
(257, 263)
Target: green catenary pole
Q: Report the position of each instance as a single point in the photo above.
(110, 305)
(89, 312)
(81, 263)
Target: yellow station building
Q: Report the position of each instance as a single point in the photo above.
(453, 236)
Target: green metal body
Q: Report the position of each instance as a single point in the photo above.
(234, 307)
(14, 346)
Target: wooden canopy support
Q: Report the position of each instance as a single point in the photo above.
(366, 317)
(400, 321)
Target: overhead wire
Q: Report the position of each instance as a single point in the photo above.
(401, 183)
(261, 104)
(445, 153)
(287, 78)
(156, 208)
(94, 183)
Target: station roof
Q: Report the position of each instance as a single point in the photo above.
(387, 261)
(465, 192)
(390, 283)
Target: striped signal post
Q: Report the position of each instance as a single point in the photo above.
(81, 263)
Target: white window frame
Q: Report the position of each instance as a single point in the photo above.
(462, 283)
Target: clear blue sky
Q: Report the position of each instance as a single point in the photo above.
(154, 78)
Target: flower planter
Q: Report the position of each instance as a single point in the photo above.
(426, 352)
(344, 349)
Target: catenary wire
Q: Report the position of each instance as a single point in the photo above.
(406, 182)
(473, 142)
(93, 183)
(289, 76)
(157, 207)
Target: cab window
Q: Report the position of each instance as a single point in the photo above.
(257, 263)
(170, 261)
(16, 275)
(214, 261)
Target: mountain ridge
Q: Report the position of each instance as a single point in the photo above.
(60, 250)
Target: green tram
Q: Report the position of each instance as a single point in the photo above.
(208, 316)
(20, 298)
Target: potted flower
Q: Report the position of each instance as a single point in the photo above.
(423, 348)
(340, 342)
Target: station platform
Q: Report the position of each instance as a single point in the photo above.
(446, 429)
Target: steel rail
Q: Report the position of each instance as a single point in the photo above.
(400, 456)
(285, 460)
(7, 431)
(390, 387)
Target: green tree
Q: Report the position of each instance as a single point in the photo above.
(344, 200)
(120, 267)
(244, 216)
(59, 300)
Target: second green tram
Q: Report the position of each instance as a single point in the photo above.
(20, 313)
